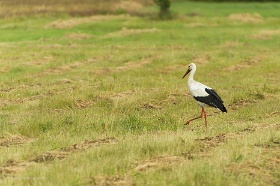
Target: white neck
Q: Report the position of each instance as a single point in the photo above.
(192, 74)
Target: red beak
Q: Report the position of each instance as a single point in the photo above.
(186, 73)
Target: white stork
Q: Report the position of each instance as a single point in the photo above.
(204, 95)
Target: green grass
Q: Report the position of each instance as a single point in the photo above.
(101, 101)
(226, 8)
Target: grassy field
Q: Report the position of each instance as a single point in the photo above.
(100, 100)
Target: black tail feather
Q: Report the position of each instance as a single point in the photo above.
(223, 108)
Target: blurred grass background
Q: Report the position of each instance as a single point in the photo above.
(91, 93)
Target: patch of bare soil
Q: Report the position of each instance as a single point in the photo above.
(270, 145)
(110, 180)
(78, 36)
(13, 166)
(246, 130)
(97, 100)
(82, 104)
(275, 113)
(240, 103)
(251, 169)
(213, 141)
(87, 144)
(151, 106)
(159, 162)
(237, 134)
(126, 32)
(206, 145)
(170, 99)
(124, 94)
(265, 167)
(69, 23)
(253, 128)
(246, 18)
(64, 152)
(194, 155)
(210, 139)
(14, 140)
(50, 156)
(265, 126)
(210, 142)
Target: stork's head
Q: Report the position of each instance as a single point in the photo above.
(190, 68)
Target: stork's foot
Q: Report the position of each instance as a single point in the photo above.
(187, 123)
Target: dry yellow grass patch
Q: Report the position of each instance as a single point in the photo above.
(246, 18)
(132, 65)
(126, 32)
(127, 66)
(40, 61)
(14, 140)
(266, 34)
(5, 69)
(110, 180)
(73, 7)
(171, 68)
(128, 6)
(60, 69)
(247, 63)
(157, 162)
(69, 23)
(201, 59)
(231, 44)
(77, 36)
(124, 94)
(194, 25)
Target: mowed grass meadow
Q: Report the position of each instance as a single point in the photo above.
(99, 99)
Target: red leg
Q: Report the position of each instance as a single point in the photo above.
(201, 115)
(205, 117)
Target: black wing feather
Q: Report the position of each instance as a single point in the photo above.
(213, 100)
(214, 93)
